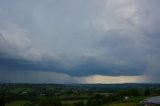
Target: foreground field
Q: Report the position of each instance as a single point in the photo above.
(73, 101)
(131, 102)
(124, 104)
(17, 103)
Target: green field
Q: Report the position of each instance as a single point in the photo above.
(17, 103)
(73, 101)
(124, 104)
(131, 102)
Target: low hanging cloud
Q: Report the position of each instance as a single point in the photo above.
(37, 77)
(81, 38)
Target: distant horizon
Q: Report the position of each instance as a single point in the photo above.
(78, 83)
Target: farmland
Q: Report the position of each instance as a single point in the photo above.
(76, 95)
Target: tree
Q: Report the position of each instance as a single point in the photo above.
(2, 101)
(50, 102)
(28, 104)
(147, 92)
(92, 102)
(130, 92)
(79, 103)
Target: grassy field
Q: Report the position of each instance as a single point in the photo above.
(73, 101)
(124, 104)
(17, 103)
(131, 102)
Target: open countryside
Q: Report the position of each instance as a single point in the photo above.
(76, 94)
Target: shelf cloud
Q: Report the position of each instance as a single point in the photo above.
(80, 39)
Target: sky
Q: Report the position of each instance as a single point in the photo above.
(80, 41)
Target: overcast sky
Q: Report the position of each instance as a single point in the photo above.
(80, 41)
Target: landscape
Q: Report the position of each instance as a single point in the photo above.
(79, 52)
(76, 94)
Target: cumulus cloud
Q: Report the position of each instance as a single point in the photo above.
(82, 38)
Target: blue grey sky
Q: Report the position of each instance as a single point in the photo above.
(79, 41)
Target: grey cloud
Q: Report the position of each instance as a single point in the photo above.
(36, 77)
(82, 38)
(15, 43)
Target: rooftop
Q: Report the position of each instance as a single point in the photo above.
(154, 100)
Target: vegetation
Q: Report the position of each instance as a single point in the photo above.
(19, 103)
(75, 95)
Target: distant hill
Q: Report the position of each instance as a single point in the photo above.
(91, 87)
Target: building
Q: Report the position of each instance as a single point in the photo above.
(126, 97)
(153, 101)
(24, 92)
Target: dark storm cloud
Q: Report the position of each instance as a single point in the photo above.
(81, 38)
(86, 68)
